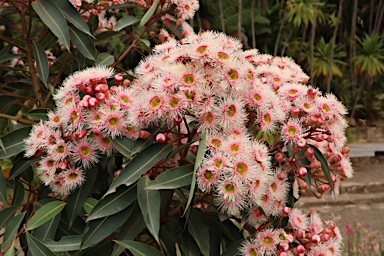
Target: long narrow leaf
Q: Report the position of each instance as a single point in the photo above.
(143, 162)
(113, 203)
(139, 249)
(44, 214)
(198, 229)
(125, 22)
(3, 186)
(98, 229)
(13, 142)
(66, 244)
(21, 165)
(76, 200)
(173, 178)
(199, 158)
(130, 229)
(73, 16)
(38, 114)
(149, 201)
(37, 248)
(6, 215)
(51, 15)
(11, 230)
(148, 14)
(84, 43)
(324, 164)
(41, 62)
(4, 58)
(104, 59)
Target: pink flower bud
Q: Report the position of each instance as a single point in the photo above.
(100, 96)
(286, 211)
(282, 253)
(113, 89)
(96, 131)
(84, 104)
(302, 171)
(161, 138)
(281, 176)
(103, 88)
(279, 157)
(126, 83)
(118, 79)
(325, 237)
(97, 88)
(179, 22)
(62, 165)
(311, 93)
(315, 239)
(295, 111)
(309, 152)
(300, 248)
(331, 225)
(88, 90)
(302, 184)
(92, 102)
(144, 134)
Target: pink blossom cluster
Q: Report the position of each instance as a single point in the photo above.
(261, 123)
(89, 114)
(303, 235)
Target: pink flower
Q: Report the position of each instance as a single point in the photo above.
(83, 151)
(298, 220)
(292, 131)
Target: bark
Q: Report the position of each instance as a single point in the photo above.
(253, 24)
(329, 78)
(221, 16)
(379, 19)
(239, 19)
(352, 54)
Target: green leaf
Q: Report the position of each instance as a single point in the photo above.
(199, 158)
(83, 42)
(11, 250)
(199, 230)
(324, 164)
(6, 57)
(125, 22)
(234, 248)
(189, 245)
(21, 165)
(104, 59)
(37, 114)
(90, 204)
(139, 249)
(73, 16)
(37, 248)
(167, 242)
(48, 229)
(44, 214)
(3, 186)
(177, 150)
(143, 162)
(51, 15)
(148, 14)
(173, 178)
(11, 230)
(77, 199)
(130, 229)
(113, 203)
(149, 202)
(18, 193)
(98, 229)
(118, 6)
(14, 142)
(145, 42)
(6, 215)
(65, 244)
(124, 145)
(41, 62)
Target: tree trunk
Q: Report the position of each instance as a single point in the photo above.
(379, 18)
(303, 36)
(253, 24)
(239, 19)
(221, 16)
(282, 21)
(329, 78)
(370, 24)
(312, 47)
(352, 54)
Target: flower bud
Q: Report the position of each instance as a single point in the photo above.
(295, 111)
(118, 78)
(100, 96)
(92, 102)
(281, 176)
(325, 237)
(88, 90)
(279, 157)
(161, 138)
(62, 165)
(126, 83)
(144, 134)
(300, 248)
(286, 211)
(315, 239)
(301, 142)
(302, 171)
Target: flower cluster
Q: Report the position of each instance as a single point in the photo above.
(313, 236)
(89, 113)
(267, 133)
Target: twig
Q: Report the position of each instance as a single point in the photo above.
(18, 119)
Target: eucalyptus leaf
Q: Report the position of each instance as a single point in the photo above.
(11, 229)
(139, 249)
(13, 142)
(125, 22)
(65, 244)
(51, 15)
(37, 248)
(44, 214)
(173, 178)
(3, 186)
(104, 59)
(197, 227)
(149, 13)
(84, 43)
(41, 62)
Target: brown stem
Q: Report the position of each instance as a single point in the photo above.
(31, 67)
(18, 119)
